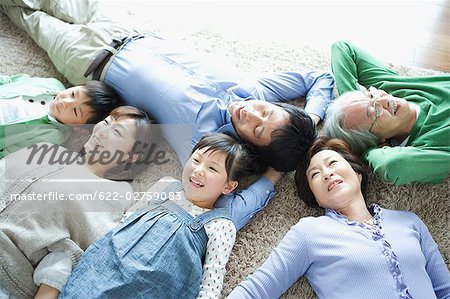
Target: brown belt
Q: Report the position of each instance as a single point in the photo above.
(96, 67)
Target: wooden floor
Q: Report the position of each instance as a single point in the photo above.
(415, 33)
(419, 32)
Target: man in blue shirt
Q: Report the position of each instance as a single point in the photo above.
(181, 90)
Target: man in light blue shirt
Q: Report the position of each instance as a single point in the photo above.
(181, 88)
(178, 88)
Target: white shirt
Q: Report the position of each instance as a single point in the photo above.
(22, 109)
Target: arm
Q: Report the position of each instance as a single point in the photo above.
(51, 274)
(352, 65)
(11, 79)
(273, 175)
(403, 165)
(317, 87)
(18, 136)
(246, 203)
(221, 237)
(435, 265)
(285, 265)
(24, 85)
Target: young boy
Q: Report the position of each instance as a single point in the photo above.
(39, 109)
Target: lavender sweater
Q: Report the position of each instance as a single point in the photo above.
(397, 258)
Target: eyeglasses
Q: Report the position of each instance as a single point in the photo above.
(378, 112)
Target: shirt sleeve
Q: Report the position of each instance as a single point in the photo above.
(285, 265)
(249, 201)
(22, 139)
(352, 66)
(11, 79)
(405, 164)
(435, 265)
(53, 270)
(24, 85)
(317, 87)
(221, 236)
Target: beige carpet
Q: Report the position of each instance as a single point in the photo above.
(19, 54)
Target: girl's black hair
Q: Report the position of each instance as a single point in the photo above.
(239, 161)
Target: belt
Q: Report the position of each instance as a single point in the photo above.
(96, 67)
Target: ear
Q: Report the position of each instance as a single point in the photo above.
(230, 186)
(383, 142)
(359, 177)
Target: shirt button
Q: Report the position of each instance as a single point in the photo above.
(42, 102)
(31, 100)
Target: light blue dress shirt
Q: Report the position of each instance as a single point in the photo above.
(190, 94)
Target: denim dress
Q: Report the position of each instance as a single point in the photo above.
(156, 253)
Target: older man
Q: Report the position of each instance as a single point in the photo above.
(400, 124)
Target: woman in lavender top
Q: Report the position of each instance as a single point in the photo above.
(352, 251)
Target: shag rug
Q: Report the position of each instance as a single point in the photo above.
(19, 54)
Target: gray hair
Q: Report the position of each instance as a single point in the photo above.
(359, 139)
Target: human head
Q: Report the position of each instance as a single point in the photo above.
(351, 115)
(289, 142)
(84, 104)
(256, 120)
(126, 132)
(217, 163)
(321, 144)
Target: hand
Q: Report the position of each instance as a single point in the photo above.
(362, 88)
(46, 292)
(316, 119)
(273, 175)
(375, 93)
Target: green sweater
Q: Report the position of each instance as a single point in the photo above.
(426, 156)
(20, 134)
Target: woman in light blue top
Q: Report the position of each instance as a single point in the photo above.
(352, 251)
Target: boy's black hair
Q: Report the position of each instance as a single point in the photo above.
(103, 99)
(290, 142)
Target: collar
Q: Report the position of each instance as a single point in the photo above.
(228, 127)
(375, 210)
(52, 119)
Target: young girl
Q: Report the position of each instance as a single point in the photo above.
(177, 246)
(352, 251)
